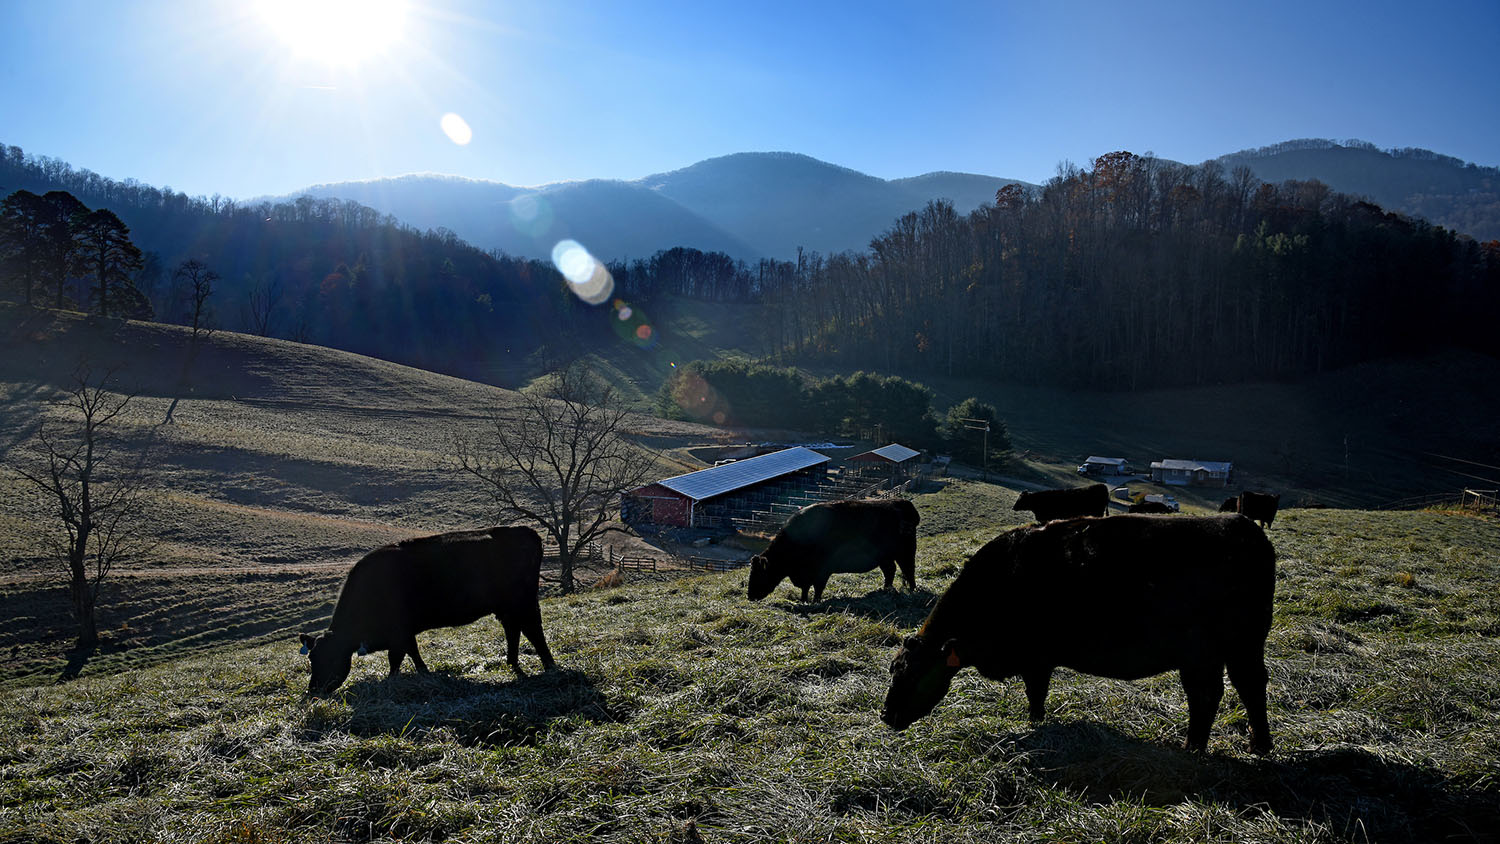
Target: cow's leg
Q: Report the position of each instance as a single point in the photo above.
(908, 561)
(888, 568)
(513, 645)
(804, 593)
(1248, 674)
(1037, 682)
(1204, 684)
(416, 658)
(395, 654)
(533, 630)
(818, 590)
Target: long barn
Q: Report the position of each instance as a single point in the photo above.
(701, 497)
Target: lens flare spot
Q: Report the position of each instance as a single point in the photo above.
(697, 398)
(643, 333)
(456, 128)
(586, 276)
(624, 313)
(531, 215)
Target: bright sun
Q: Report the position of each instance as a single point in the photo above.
(341, 32)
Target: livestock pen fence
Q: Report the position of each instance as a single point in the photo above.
(763, 511)
(649, 563)
(1476, 500)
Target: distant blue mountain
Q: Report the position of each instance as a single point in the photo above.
(748, 205)
(1438, 188)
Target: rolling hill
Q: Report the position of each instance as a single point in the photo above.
(280, 465)
(747, 205)
(1439, 188)
(681, 712)
(767, 204)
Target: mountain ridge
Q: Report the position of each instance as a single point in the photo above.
(748, 205)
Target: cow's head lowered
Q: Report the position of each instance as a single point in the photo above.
(330, 663)
(762, 581)
(920, 675)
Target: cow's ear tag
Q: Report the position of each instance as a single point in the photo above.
(305, 649)
(362, 649)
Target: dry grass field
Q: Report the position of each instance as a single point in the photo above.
(682, 712)
(281, 465)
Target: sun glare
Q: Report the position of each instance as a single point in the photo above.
(342, 32)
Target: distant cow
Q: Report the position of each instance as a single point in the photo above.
(451, 579)
(1149, 507)
(1230, 505)
(1092, 500)
(1124, 597)
(1259, 506)
(839, 537)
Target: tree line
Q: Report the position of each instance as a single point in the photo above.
(324, 271)
(1139, 273)
(888, 408)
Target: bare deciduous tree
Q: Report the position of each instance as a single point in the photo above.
(560, 459)
(197, 282)
(261, 309)
(97, 490)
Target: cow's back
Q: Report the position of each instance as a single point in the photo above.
(1130, 596)
(440, 581)
(843, 536)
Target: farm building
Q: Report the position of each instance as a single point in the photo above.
(702, 497)
(895, 461)
(1104, 466)
(1194, 472)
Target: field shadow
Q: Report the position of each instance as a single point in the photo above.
(477, 712)
(77, 659)
(1354, 793)
(902, 608)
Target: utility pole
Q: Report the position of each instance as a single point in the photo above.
(981, 425)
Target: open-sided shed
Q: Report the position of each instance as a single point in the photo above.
(894, 461)
(679, 501)
(894, 454)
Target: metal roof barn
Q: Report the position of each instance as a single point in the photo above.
(706, 483)
(893, 453)
(676, 500)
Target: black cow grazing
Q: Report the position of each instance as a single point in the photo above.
(1092, 500)
(1154, 507)
(1260, 507)
(839, 536)
(1124, 597)
(448, 580)
(1230, 505)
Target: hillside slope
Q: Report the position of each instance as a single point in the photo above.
(281, 465)
(1439, 188)
(684, 713)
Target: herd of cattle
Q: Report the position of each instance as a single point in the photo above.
(1125, 596)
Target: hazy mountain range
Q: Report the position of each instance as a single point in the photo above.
(748, 205)
(754, 205)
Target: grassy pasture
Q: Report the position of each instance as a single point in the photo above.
(684, 712)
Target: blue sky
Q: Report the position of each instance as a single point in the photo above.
(218, 97)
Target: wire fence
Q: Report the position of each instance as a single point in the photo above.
(1479, 500)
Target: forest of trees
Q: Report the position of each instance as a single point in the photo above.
(1135, 273)
(1140, 273)
(323, 271)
